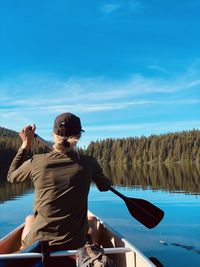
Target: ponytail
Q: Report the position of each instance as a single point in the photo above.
(64, 144)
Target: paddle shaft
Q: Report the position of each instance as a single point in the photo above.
(44, 142)
(117, 193)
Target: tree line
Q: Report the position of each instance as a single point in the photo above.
(172, 147)
(164, 148)
(9, 144)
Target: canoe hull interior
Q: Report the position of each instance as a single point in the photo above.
(107, 238)
(12, 242)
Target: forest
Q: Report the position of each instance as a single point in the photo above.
(165, 148)
(9, 144)
(124, 161)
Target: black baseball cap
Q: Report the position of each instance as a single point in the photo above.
(67, 124)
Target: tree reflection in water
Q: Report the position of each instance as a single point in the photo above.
(173, 178)
(10, 191)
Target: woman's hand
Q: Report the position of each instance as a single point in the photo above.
(27, 135)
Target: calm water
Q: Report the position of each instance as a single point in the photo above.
(175, 189)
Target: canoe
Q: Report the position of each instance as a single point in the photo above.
(116, 247)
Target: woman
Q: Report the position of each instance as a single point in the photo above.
(62, 180)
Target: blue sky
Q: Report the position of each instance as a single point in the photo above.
(127, 68)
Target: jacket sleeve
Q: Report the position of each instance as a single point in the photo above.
(19, 169)
(101, 181)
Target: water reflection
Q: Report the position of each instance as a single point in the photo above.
(10, 191)
(187, 247)
(174, 178)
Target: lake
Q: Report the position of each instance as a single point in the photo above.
(173, 188)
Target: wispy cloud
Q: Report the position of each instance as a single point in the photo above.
(114, 6)
(135, 4)
(45, 109)
(96, 96)
(155, 127)
(157, 68)
(110, 8)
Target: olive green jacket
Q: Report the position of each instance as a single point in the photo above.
(62, 183)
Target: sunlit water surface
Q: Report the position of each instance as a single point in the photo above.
(174, 242)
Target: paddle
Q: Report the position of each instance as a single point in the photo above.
(156, 262)
(142, 210)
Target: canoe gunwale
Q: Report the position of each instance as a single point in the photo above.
(64, 253)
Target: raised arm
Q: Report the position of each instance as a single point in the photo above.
(20, 169)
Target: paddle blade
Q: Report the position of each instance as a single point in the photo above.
(156, 262)
(144, 211)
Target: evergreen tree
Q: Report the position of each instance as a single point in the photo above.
(9, 144)
(172, 147)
